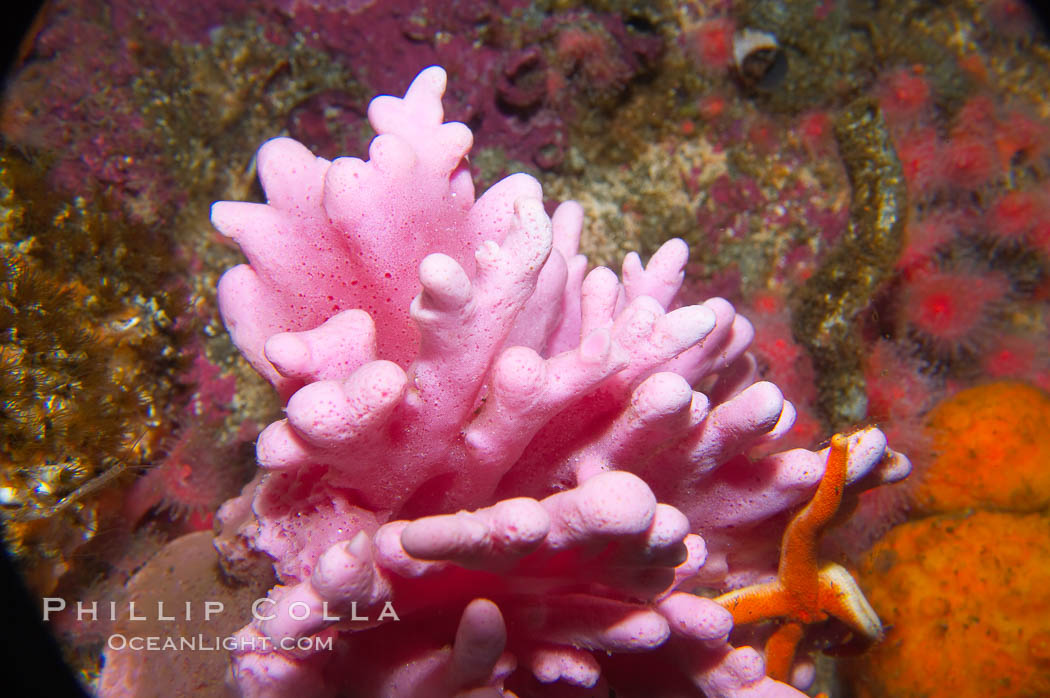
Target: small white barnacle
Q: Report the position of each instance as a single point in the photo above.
(757, 57)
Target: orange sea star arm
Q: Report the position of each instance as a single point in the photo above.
(756, 603)
(798, 552)
(805, 591)
(780, 650)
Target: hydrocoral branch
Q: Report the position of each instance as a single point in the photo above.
(529, 464)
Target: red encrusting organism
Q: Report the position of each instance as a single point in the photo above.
(1019, 356)
(951, 313)
(712, 42)
(921, 157)
(923, 238)
(971, 160)
(904, 97)
(197, 474)
(1015, 214)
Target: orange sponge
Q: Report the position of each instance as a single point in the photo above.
(966, 600)
(991, 447)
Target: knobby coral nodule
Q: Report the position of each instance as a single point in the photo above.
(533, 465)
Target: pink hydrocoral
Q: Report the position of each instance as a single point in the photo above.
(566, 438)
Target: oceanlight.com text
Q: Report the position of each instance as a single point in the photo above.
(202, 643)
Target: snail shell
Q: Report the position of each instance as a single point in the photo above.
(757, 57)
